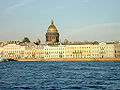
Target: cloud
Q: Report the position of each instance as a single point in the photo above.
(13, 7)
(100, 32)
(105, 25)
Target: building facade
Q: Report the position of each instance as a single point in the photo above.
(78, 51)
(54, 51)
(13, 51)
(106, 50)
(1, 51)
(34, 52)
(117, 50)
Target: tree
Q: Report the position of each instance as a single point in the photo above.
(26, 39)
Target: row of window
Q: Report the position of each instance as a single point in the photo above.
(54, 56)
(54, 52)
(103, 54)
(55, 49)
(18, 56)
(13, 52)
(101, 51)
(78, 51)
(33, 53)
(77, 47)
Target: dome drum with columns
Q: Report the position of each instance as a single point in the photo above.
(52, 35)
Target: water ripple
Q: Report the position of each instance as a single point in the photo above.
(60, 75)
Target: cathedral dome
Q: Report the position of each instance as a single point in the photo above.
(52, 35)
(52, 27)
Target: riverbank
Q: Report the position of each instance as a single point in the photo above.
(66, 59)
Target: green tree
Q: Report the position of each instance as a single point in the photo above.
(26, 39)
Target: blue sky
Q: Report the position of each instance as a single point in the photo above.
(76, 20)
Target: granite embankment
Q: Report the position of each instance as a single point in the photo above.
(66, 59)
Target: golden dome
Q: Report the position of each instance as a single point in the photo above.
(52, 27)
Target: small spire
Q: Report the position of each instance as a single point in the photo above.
(52, 22)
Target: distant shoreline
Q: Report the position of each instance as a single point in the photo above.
(92, 59)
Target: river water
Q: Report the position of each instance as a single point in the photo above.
(60, 75)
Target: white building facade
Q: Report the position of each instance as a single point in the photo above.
(13, 51)
(105, 50)
(54, 51)
(34, 52)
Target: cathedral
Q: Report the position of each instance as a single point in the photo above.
(52, 35)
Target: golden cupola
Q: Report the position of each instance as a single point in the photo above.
(52, 27)
(52, 34)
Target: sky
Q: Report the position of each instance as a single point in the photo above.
(76, 20)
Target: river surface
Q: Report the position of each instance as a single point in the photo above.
(60, 75)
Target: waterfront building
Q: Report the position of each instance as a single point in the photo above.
(34, 52)
(1, 51)
(13, 51)
(106, 50)
(54, 51)
(78, 51)
(52, 35)
(117, 50)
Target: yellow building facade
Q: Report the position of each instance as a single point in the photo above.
(117, 50)
(1, 51)
(78, 51)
